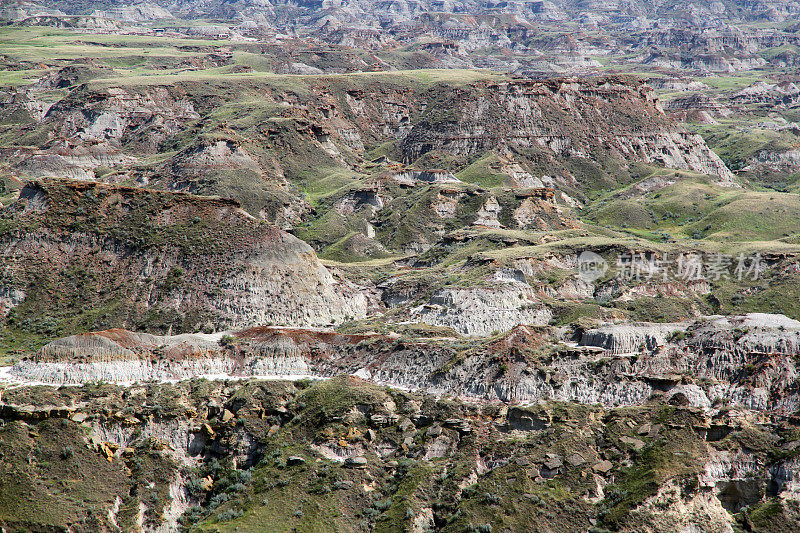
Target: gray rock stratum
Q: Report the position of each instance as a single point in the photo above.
(749, 360)
(482, 311)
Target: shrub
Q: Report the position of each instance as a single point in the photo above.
(492, 499)
(174, 278)
(237, 487)
(218, 500)
(382, 505)
(194, 488)
(230, 514)
(678, 336)
(303, 383)
(194, 514)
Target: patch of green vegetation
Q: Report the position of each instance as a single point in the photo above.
(695, 208)
(752, 216)
(403, 506)
(335, 397)
(770, 53)
(83, 294)
(16, 341)
(319, 183)
(295, 81)
(673, 458)
(484, 172)
(772, 293)
(625, 214)
(771, 516)
(731, 83)
(354, 247)
(174, 279)
(54, 480)
(663, 309)
(737, 148)
(385, 149)
(422, 330)
(328, 229)
(635, 486)
(566, 313)
(764, 513)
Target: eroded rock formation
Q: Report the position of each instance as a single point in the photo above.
(70, 247)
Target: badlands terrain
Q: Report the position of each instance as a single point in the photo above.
(422, 266)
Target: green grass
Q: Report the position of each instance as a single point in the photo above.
(731, 83)
(770, 53)
(320, 183)
(20, 77)
(566, 313)
(737, 145)
(45, 488)
(327, 230)
(675, 458)
(484, 172)
(698, 209)
(663, 309)
(336, 397)
(625, 214)
(770, 516)
(131, 56)
(752, 216)
(53, 42)
(423, 76)
(16, 342)
(349, 250)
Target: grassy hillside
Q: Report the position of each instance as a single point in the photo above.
(691, 207)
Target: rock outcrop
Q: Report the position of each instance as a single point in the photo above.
(136, 255)
(549, 124)
(747, 361)
(562, 117)
(630, 338)
(483, 311)
(156, 456)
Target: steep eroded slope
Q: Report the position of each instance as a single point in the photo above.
(83, 254)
